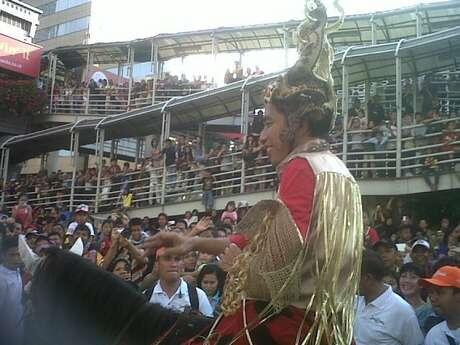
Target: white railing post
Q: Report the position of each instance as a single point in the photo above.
(130, 74)
(345, 112)
(154, 60)
(244, 128)
(398, 116)
(165, 132)
(4, 167)
(74, 149)
(52, 66)
(100, 156)
(286, 47)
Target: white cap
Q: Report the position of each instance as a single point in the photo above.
(82, 208)
(421, 243)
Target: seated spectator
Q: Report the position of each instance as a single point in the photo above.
(81, 217)
(404, 239)
(382, 316)
(189, 261)
(41, 243)
(391, 278)
(412, 292)
(172, 292)
(211, 279)
(11, 292)
(181, 227)
(444, 292)
(162, 223)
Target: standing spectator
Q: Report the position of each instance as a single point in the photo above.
(420, 255)
(169, 152)
(230, 213)
(450, 136)
(431, 168)
(81, 217)
(356, 145)
(90, 252)
(211, 280)
(382, 316)
(172, 292)
(412, 292)
(138, 236)
(444, 292)
(22, 212)
(208, 190)
(162, 223)
(371, 236)
(11, 308)
(388, 252)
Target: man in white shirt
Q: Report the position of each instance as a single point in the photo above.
(444, 292)
(382, 317)
(11, 308)
(81, 217)
(172, 292)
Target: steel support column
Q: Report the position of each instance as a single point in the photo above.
(418, 23)
(373, 31)
(244, 129)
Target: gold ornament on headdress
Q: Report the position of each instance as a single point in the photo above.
(308, 84)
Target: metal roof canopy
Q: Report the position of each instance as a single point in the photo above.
(421, 55)
(390, 26)
(433, 52)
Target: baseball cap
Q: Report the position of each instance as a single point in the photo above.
(446, 276)
(82, 208)
(385, 243)
(422, 243)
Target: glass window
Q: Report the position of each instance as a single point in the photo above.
(60, 5)
(51, 32)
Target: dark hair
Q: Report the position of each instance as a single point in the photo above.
(373, 264)
(162, 214)
(446, 261)
(52, 233)
(212, 269)
(8, 243)
(183, 222)
(83, 227)
(116, 261)
(413, 268)
(230, 203)
(135, 221)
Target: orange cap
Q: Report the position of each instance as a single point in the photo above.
(447, 276)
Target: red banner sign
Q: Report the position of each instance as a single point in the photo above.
(20, 57)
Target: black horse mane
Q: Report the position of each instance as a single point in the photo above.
(75, 302)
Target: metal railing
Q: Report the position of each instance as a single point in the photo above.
(108, 101)
(422, 154)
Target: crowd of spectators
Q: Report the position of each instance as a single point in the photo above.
(401, 250)
(372, 134)
(107, 96)
(238, 74)
(406, 247)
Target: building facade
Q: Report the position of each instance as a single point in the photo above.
(63, 22)
(18, 20)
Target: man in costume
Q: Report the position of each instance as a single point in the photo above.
(296, 276)
(296, 272)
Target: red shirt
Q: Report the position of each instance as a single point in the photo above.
(296, 191)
